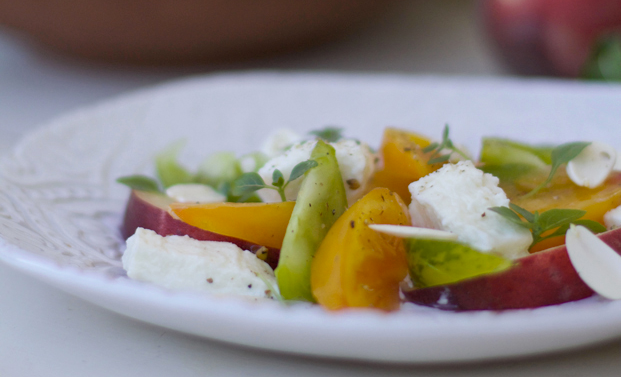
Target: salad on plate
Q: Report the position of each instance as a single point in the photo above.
(326, 219)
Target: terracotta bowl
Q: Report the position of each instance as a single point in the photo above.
(183, 31)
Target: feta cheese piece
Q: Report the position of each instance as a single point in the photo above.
(356, 162)
(457, 198)
(181, 262)
(279, 140)
(612, 218)
(593, 165)
(194, 193)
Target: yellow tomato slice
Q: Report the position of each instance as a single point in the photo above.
(403, 161)
(563, 193)
(261, 223)
(356, 266)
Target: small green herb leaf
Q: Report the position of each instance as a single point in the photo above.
(567, 152)
(560, 155)
(301, 168)
(430, 147)
(556, 220)
(439, 160)
(591, 225)
(438, 148)
(247, 183)
(557, 217)
(509, 215)
(522, 212)
(329, 134)
(140, 183)
(277, 178)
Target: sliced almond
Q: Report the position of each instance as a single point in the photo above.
(413, 232)
(592, 166)
(597, 264)
(612, 218)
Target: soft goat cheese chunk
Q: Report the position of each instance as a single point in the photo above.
(356, 162)
(457, 198)
(181, 262)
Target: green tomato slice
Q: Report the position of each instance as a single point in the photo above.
(436, 262)
(321, 200)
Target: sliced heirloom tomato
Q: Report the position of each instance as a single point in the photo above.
(403, 161)
(522, 168)
(356, 266)
(261, 223)
(563, 193)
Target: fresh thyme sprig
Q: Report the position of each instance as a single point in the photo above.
(547, 221)
(438, 148)
(248, 183)
(560, 155)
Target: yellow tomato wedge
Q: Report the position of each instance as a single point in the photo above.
(261, 223)
(403, 161)
(563, 193)
(356, 266)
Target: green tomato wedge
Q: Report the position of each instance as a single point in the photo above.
(321, 200)
(435, 262)
(496, 151)
(509, 160)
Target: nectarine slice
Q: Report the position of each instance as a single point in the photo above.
(150, 211)
(541, 279)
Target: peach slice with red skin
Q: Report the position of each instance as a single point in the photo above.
(541, 279)
(150, 211)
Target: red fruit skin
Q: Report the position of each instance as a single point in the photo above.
(150, 211)
(540, 279)
(551, 37)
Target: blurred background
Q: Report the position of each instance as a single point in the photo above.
(61, 54)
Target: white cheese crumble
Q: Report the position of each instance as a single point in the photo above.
(457, 198)
(194, 193)
(355, 159)
(181, 262)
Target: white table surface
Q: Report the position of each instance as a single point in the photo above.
(45, 332)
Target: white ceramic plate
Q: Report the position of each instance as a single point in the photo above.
(60, 207)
